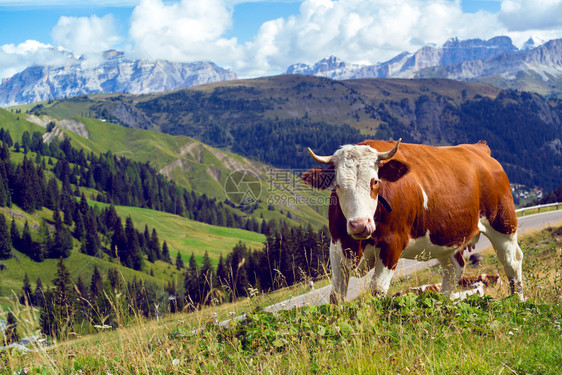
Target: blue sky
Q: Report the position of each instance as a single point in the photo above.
(259, 37)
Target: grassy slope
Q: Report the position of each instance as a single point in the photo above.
(181, 234)
(17, 124)
(189, 162)
(426, 334)
(189, 236)
(195, 165)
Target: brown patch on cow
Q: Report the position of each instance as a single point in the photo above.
(392, 170)
(319, 178)
(460, 258)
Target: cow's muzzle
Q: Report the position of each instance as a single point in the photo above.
(361, 229)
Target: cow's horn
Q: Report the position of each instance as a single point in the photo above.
(389, 154)
(320, 159)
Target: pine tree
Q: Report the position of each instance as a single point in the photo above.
(112, 220)
(93, 243)
(38, 297)
(3, 192)
(46, 242)
(133, 247)
(52, 194)
(96, 284)
(237, 272)
(26, 297)
(206, 278)
(28, 246)
(155, 244)
(5, 240)
(81, 302)
(166, 253)
(79, 228)
(221, 274)
(15, 235)
(191, 282)
(179, 261)
(11, 331)
(146, 245)
(47, 317)
(113, 277)
(62, 241)
(119, 245)
(62, 299)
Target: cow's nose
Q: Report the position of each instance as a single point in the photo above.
(362, 228)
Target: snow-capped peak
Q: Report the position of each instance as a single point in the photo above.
(531, 43)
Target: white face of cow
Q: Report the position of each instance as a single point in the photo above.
(356, 167)
(357, 184)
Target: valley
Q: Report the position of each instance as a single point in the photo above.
(522, 129)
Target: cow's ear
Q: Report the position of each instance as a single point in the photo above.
(392, 170)
(319, 178)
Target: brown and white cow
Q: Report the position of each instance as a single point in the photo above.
(435, 201)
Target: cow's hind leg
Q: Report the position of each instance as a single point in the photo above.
(340, 273)
(453, 267)
(509, 254)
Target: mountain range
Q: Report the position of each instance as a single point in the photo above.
(110, 72)
(537, 66)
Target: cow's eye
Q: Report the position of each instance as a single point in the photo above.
(376, 182)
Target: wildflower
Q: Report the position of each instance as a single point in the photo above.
(175, 362)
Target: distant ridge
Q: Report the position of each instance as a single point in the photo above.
(537, 66)
(114, 72)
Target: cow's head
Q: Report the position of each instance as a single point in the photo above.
(354, 172)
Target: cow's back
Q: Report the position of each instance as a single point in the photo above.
(446, 191)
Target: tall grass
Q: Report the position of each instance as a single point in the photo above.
(406, 335)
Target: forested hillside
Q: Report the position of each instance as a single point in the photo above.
(275, 119)
(45, 215)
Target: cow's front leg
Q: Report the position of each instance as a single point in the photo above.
(453, 267)
(340, 273)
(384, 271)
(367, 261)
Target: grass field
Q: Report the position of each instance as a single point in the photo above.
(406, 335)
(189, 236)
(182, 235)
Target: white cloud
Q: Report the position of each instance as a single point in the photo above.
(362, 31)
(15, 58)
(188, 30)
(357, 31)
(85, 34)
(522, 15)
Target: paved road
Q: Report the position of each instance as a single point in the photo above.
(357, 286)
